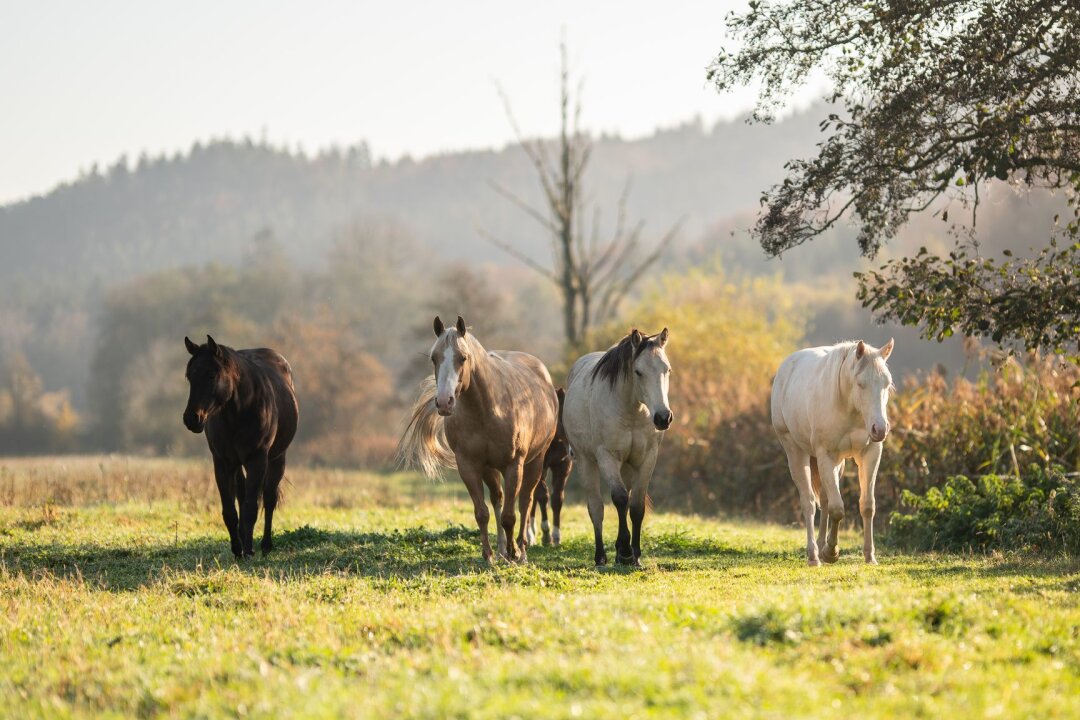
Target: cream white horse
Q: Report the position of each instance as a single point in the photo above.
(615, 412)
(828, 404)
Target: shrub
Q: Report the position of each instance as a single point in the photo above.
(1005, 420)
(1040, 512)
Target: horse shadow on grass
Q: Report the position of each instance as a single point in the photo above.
(309, 551)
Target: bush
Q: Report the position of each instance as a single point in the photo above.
(1039, 512)
(1005, 420)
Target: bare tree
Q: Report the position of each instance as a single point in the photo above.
(592, 274)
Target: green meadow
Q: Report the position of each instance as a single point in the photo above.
(120, 598)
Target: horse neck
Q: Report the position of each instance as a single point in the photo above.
(246, 387)
(845, 374)
(625, 396)
(484, 383)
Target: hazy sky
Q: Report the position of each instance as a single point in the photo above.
(84, 82)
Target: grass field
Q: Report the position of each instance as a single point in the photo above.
(119, 597)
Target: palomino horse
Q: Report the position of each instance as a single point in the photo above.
(559, 459)
(490, 414)
(245, 401)
(829, 404)
(616, 412)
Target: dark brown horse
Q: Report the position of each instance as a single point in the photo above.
(559, 459)
(493, 416)
(244, 399)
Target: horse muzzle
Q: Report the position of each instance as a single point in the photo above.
(662, 420)
(878, 433)
(195, 421)
(445, 407)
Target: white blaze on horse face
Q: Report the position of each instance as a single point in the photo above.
(652, 372)
(873, 385)
(447, 378)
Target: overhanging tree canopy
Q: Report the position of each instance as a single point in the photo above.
(933, 97)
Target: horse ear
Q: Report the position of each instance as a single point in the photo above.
(191, 347)
(461, 326)
(662, 338)
(860, 350)
(213, 346)
(635, 337)
(439, 327)
(886, 351)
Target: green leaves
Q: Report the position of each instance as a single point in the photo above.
(932, 97)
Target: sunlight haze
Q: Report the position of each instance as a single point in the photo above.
(88, 83)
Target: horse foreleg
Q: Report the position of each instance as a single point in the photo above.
(271, 491)
(822, 502)
(474, 479)
(799, 464)
(639, 492)
(868, 467)
(225, 476)
(830, 469)
(532, 473)
(255, 468)
(611, 472)
(493, 480)
(591, 477)
(511, 488)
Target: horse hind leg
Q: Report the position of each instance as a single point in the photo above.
(271, 494)
(559, 475)
(540, 501)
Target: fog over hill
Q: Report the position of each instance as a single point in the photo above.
(63, 251)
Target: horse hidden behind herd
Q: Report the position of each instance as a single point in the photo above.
(498, 419)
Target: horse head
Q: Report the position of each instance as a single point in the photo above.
(652, 372)
(212, 378)
(872, 387)
(452, 362)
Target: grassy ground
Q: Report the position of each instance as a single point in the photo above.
(118, 597)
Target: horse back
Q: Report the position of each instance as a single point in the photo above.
(804, 391)
(271, 417)
(533, 405)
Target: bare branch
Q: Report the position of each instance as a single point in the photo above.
(524, 206)
(511, 250)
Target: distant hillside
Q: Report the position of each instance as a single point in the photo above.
(209, 203)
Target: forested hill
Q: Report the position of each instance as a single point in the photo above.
(208, 203)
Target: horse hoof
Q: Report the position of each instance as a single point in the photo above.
(626, 559)
(813, 562)
(830, 557)
(600, 560)
(547, 540)
(871, 560)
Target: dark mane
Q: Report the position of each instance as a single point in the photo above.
(618, 361)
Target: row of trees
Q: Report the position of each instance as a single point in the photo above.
(352, 329)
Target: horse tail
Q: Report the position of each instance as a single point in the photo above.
(423, 445)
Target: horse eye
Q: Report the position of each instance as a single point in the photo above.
(638, 373)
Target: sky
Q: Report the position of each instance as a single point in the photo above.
(84, 83)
